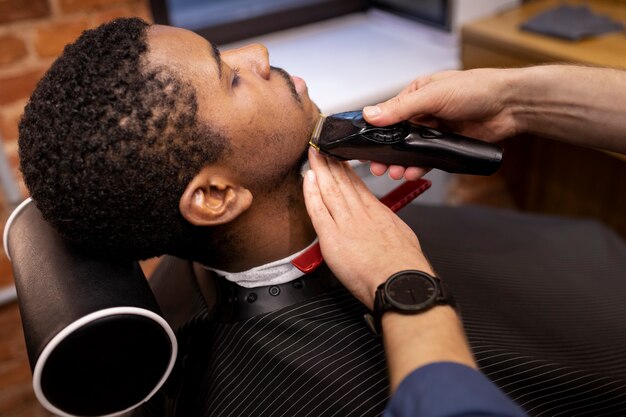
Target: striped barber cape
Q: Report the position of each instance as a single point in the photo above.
(543, 303)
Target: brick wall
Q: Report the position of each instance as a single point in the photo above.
(32, 34)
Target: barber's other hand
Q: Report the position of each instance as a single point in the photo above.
(362, 241)
(471, 103)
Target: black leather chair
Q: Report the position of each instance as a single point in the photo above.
(542, 301)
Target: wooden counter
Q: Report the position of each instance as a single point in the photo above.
(542, 175)
(498, 41)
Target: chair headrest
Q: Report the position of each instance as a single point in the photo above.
(9, 223)
(96, 340)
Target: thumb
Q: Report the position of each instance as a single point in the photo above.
(396, 109)
(318, 212)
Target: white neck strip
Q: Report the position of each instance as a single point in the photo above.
(273, 273)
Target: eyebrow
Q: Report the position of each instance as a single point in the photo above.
(218, 58)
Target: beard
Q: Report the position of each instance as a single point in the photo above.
(292, 87)
(293, 171)
(287, 176)
(302, 161)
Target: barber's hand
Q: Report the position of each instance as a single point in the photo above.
(362, 241)
(471, 103)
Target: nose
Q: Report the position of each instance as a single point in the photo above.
(254, 57)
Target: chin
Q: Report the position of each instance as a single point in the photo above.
(317, 113)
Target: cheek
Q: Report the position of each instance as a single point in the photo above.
(277, 144)
(267, 125)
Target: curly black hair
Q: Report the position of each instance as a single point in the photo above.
(107, 144)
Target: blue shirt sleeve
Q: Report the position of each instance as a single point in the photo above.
(447, 389)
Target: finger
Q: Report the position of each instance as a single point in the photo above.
(338, 169)
(396, 172)
(354, 191)
(397, 109)
(320, 217)
(330, 192)
(437, 76)
(415, 173)
(366, 196)
(317, 161)
(335, 167)
(410, 174)
(441, 75)
(378, 169)
(412, 86)
(427, 79)
(347, 182)
(417, 84)
(414, 100)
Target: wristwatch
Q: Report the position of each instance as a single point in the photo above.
(407, 292)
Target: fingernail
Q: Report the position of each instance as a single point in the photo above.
(372, 111)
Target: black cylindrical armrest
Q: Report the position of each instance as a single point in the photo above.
(96, 341)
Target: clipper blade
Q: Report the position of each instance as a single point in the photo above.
(315, 136)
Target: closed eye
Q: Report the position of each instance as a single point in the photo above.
(236, 77)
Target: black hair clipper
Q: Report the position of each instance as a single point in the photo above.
(348, 136)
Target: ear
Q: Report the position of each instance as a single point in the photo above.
(212, 198)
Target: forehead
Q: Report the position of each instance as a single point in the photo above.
(175, 47)
(168, 36)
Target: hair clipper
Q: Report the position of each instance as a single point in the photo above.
(348, 136)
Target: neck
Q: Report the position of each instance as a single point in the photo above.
(276, 226)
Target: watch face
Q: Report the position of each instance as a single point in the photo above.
(411, 292)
